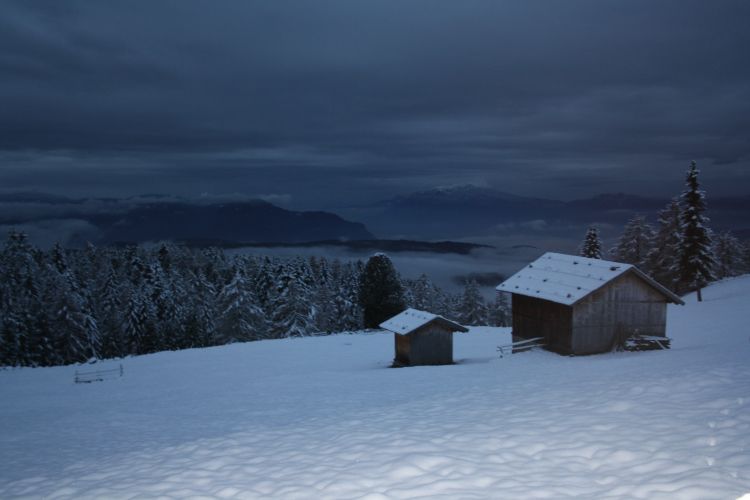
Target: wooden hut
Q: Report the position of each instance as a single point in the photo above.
(585, 306)
(422, 338)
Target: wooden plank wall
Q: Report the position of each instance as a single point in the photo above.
(624, 306)
(431, 345)
(403, 348)
(534, 317)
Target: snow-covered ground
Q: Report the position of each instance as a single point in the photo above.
(326, 418)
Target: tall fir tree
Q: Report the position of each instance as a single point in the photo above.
(592, 245)
(26, 337)
(635, 243)
(381, 294)
(76, 330)
(424, 294)
(293, 314)
(696, 259)
(729, 255)
(202, 307)
(499, 312)
(663, 260)
(473, 310)
(109, 313)
(348, 313)
(240, 317)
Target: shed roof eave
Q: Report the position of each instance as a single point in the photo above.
(410, 320)
(673, 298)
(450, 324)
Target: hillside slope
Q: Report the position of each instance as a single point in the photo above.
(325, 418)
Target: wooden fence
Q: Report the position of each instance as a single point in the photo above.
(98, 375)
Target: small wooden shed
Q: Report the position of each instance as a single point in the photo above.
(422, 338)
(585, 306)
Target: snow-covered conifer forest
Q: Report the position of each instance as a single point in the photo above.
(63, 306)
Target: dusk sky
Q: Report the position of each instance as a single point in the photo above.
(323, 104)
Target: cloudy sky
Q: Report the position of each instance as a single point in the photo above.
(326, 103)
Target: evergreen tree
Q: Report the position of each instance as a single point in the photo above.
(9, 349)
(592, 245)
(109, 316)
(57, 256)
(635, 243)
(696, 259)
(26, 338)
(381, 294)
(500, 313)
(240, 318)
(293, 313)
(663, 260)
(729, 255)
(473, 310)
(201, 327)
(76, 331)
(424, 294)
(347, 314)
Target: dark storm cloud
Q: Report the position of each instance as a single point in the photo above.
(313, 98)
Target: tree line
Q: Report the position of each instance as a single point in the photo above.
(63, 306)
(681, 252)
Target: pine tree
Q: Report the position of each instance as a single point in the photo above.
(76, 332)
(9, 349)
(137, 326)
(26, 335)
(592, 245)
(729, 255)
(499, 312)
(240, 317)
(472, 310)
(347, 315)
(424, 294)
(663, 260)
(635, 243)
(202, 307)
(381, 294)
(293, 314)
(696, 259)
(109, 316)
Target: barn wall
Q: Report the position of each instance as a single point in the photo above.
(403, 348)
(431, 345)
(534, 317)
(625, 306)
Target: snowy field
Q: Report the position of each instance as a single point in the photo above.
(325, 418)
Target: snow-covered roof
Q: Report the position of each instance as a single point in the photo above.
(409, 320)
(566, 279)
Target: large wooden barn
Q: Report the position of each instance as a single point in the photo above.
(422, 338)
(585, 306)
